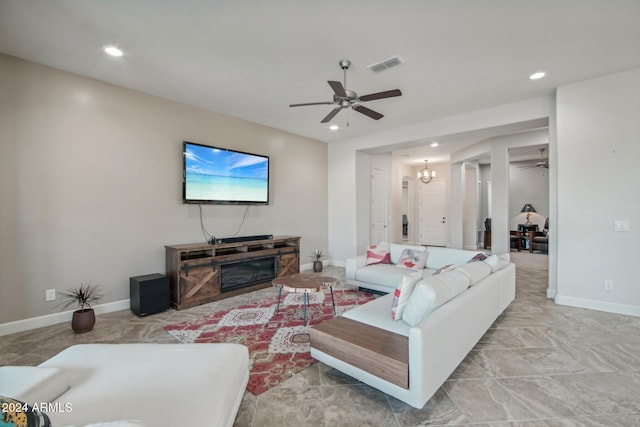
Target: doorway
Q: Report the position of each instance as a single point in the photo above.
(408, 222)
(433, 213)
(379, 209)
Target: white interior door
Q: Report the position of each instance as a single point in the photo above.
(433, 213)
(379, 203)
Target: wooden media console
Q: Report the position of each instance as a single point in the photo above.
(201, 273)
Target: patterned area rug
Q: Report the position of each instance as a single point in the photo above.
(278, 343)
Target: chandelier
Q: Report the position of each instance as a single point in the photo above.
(426, 174)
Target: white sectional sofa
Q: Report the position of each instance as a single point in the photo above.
(442, 339)
(135, 384)
(385, 277)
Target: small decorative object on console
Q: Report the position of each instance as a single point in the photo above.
(317, 260)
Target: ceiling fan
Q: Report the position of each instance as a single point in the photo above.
(344, 98)
(542, 163)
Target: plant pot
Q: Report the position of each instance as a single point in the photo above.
(317, 266)
(83, 320)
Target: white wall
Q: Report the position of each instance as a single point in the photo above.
(342, 161)
(484, 196)
(90, 185)
(470, 214)
(499, 176)
(598, 153)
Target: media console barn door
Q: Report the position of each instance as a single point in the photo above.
(195, 270)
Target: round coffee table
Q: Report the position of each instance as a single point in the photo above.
(304, 283)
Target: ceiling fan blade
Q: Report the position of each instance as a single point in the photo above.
(368, 112)
(381, 95)
(338, 89)
(310, 103)
(331, 115)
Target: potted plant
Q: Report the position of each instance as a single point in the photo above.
(317, 260)
(84, 318)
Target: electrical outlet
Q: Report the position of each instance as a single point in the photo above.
(608, 285)
(50, 295)
(621, 226)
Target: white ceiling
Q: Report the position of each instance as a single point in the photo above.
(251, 59)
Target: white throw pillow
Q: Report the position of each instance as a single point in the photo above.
(476, 271)
(498, 262)
(413, 260)
(402, 293)
(432, 292)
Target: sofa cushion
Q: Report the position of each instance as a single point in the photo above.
(439, 256)
(33, 383)
(402, 293)
(432, 292)
(413, 260)
(378, 254)
(396, 251)
(476, 271)
(497, 262)
(381, 274)
(376, 313)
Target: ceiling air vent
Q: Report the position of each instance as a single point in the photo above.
(386, 64)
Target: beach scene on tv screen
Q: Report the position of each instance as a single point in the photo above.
(220, 175)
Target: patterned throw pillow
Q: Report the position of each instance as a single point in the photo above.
(444, 268)
(378, 254)
(413, 260)
(478, 257)
(402, 294)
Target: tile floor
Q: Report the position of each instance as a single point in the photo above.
(540, 364)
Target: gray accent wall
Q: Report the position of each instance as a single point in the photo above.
(90, 185)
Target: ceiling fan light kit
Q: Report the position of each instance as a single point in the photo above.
(344, 98)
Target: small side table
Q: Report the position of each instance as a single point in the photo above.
(305, 283)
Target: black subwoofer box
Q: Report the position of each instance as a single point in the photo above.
(149, 294)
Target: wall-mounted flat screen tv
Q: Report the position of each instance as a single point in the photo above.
(223, 176)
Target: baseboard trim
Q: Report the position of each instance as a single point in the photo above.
(609, 307)
(309, 266)
(551, 293)
(55, 318)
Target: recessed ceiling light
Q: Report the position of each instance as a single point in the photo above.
(537, 75)
(113, 51)
(334, 127)
(434, 144)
